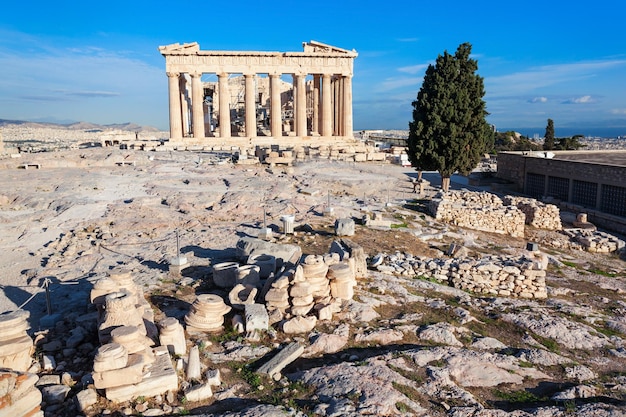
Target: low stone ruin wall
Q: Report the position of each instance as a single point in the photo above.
(509, 276)
(538, 214)
(594, 241)
(487, 212)
(481, 211)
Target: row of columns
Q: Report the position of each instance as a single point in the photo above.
(331, 116)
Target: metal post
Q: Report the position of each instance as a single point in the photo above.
(177, 243)
(46, 283)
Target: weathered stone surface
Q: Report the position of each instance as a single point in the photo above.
(256, 317)
(383, 337)
(194, 372)
(160, 378)
(568, 333)
(283, 358)
(440, 333)
(326, 343)
(18, 395)
(299, 324)
(55, 394)
(373, 383)
(283, 253)
(85, 399)
(199, 393)
(344, 227)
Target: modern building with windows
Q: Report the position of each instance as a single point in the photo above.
(590, 181)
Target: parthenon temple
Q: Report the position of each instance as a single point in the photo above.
(251, 100)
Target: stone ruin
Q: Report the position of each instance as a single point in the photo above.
(594, 241)
(19, 397)
(478, 210)
(270, 284)
(538, 214)
(16, 346)
(127, 364)
(509, 276)
(266, 289)
(489, 213)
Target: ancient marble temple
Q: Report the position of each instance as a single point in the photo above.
(319, 103)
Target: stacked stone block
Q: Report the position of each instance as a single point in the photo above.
(342, 281)
(538, 214)
(130, 308)
(16, 347)
(19, 397)
(114, 367)
(481, 211)
(301, 294)
(315, 270)
(172, 335)
(207, 314)
(597, 242)
(522, 276)
(120, 309)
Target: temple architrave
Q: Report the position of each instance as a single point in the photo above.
(251, 101)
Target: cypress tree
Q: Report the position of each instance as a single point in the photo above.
(548, 138)
(449, 132)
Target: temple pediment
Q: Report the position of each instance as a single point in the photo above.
(177, 47)
(315, 46)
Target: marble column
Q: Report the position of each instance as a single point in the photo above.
(340, 107)
(335, 106)
(327, 116)
(275, 106)
(347, 106)
(184, 104)
(176, 123)
(315, 123)
(301, 127)
(224, 115)
(197, 105)
(250, 96)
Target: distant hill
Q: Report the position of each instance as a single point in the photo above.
(128, 126)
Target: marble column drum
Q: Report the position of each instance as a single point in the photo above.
(207, 314)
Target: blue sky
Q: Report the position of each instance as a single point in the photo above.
(98, 62)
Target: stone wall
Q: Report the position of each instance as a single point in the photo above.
(481, 211)
(594, 241)
(538, 214)
(509, 276)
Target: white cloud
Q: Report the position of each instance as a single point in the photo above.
(414, 69)
(580, 100)
(523, 82)
(618, 111)
(395, 83)
(539, 100)
(80, 82)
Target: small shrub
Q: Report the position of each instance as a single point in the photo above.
(516, 396)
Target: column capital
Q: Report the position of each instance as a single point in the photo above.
(173, 74)
(195, 74)
(222, 74)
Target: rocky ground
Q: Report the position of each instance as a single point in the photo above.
(403, 346)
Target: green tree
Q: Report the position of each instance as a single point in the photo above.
(449, 132)
(548, 138)
(569, 144)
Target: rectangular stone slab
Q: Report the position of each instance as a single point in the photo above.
(161, 377)
(283, 358)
